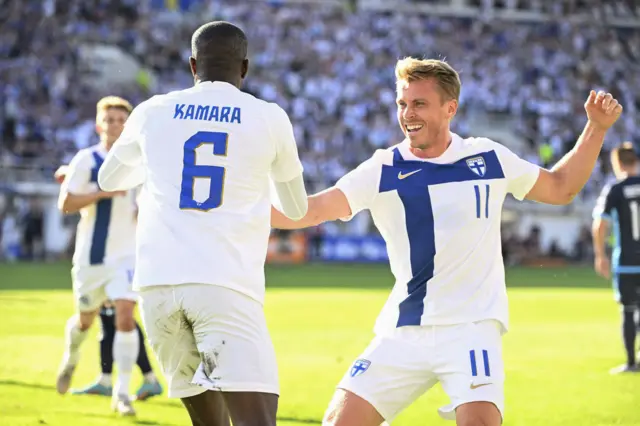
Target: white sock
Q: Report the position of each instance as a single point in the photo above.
(105, 380)
(73, 339)
(150, 377)
(125, 354)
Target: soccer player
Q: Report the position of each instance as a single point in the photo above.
(204, 157)
(103, 257)
(103, 386)
(619, 208)
(437, 199)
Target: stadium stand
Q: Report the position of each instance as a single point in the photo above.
(526, 68)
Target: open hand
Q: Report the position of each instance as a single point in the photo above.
(602, 109)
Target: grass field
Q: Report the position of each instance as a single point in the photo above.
(564, 338)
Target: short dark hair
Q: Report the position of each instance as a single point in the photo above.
(625, 154)
(219, 44)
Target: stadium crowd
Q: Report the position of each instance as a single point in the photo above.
(330, 68)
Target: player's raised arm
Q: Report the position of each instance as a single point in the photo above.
(567, 178)
(286, 170)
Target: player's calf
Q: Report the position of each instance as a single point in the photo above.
(478, 413)
(126, 345)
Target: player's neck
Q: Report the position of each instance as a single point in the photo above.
(435, 149)
(106, 144)
(222, 78)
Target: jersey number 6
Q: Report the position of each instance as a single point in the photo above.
(192, 171)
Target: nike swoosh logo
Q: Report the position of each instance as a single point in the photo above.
(401, 176)
(472, 386)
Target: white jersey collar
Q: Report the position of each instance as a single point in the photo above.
(449, 156)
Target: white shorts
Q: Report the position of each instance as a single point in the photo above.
(208, 337)
(93, 285)
(395, 370)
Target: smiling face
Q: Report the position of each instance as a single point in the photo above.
(423, 114)
(427, 100)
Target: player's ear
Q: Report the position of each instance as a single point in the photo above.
(245, 68)
(452, 108)
(192, 65)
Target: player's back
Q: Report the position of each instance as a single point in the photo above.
(626, 222)
(205, 206)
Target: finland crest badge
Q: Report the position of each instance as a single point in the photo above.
(477, 165)
(359, 367)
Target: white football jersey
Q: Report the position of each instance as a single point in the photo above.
(208, 153)
(106, 230)
(440, 219)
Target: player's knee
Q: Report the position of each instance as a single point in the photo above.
(85, 320)
(125, 320)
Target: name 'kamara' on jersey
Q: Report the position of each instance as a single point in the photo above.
(223, 114)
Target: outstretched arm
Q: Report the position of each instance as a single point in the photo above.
(330, 204)
(567, 178)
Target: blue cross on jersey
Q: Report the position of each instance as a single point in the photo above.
(412, 179)
(477, 165)
(103, 218)
(359, 367)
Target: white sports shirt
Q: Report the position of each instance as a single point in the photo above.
(441, 221)
(208, 154)
(106, 230)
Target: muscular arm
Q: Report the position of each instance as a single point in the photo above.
(330, 204)
(563, 182)
(566, 179)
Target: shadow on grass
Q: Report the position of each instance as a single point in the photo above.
(156, 401)
(56, 276)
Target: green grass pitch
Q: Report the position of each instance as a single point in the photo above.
(564, 337)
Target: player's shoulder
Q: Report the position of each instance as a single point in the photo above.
(385, 156)
(143, 109)
(87, 156)
(481, 144)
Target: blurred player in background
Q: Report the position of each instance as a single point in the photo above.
(103, 257)
(205, 157)
(618, 209)
(103, 386)
(437, 201)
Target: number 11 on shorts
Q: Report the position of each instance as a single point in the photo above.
(474, 364)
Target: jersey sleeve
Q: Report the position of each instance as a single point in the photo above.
(361, 185)
(78, 178)
(605, 204)
(286, 165)
(127, 148)
(521, 175)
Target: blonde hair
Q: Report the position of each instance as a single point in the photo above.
(411, 69)
(109, 102)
